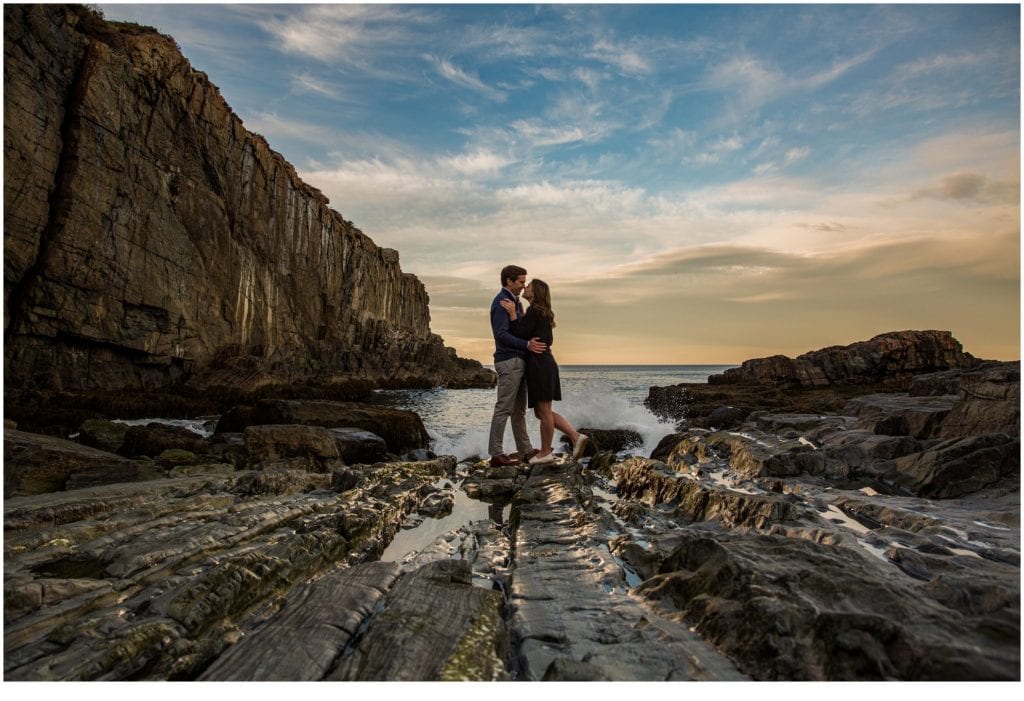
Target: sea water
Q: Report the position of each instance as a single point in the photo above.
(593, 396)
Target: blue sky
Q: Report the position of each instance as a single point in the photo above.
(697, 183)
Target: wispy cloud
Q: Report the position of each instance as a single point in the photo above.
(355, 35)
(449, 71)
(479, 162)
(749, 82)
(625, 58)
(271, 125)
(306, 82)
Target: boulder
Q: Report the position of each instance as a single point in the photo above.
(154, 438)
(36, 464)
(725, 417)
(613, 440)
(961, 466)
(666, 445)
(891, 358)
(989, 403)
(358, 446)
(102, 434)
(312, 445)
(901, 414)
(401, 430)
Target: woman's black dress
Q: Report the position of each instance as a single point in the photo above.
(542, 383)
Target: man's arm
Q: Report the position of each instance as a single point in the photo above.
(501, 328)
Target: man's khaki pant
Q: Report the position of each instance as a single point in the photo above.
(511, 403)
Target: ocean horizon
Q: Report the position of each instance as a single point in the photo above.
(593, 396)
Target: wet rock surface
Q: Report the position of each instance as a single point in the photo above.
(572, 615)
(876, 541)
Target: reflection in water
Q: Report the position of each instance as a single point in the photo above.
(465, 510)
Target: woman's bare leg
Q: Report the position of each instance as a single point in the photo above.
(547, 426)
(563, 425)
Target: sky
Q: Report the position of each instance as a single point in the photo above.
(696, 183)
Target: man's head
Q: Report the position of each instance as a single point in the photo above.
(513, 278)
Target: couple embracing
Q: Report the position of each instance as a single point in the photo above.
(527, 372)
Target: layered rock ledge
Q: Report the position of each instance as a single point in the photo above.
(880, 541)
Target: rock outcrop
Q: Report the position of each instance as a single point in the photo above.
(889, 358)
(878, 541)
(150, 240)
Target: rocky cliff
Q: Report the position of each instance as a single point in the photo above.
(151, 240)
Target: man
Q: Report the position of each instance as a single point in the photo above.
(510, 355)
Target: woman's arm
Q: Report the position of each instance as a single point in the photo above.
(525, 326)
(509, 307)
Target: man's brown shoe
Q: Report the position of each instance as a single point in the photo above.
(503, 461)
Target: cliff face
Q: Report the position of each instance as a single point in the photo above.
(149, 238)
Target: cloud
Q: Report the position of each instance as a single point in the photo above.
(478, 162)
(827, 227)
(536, 132)
(760, 302)
(306, 82)
(362, 36)
(449, 71)
(796, 154)
(273, 126)
(728, 303)
(626, 59)
(749, 82)
(969, 188)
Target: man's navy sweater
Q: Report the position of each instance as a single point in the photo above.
(506, 345)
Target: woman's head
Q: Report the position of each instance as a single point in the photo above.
(538, 294)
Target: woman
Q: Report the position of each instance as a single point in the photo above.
(542, 382)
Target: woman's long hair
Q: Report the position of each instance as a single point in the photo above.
(542, 300)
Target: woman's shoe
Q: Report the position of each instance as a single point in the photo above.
(581, 444)
(542, 459)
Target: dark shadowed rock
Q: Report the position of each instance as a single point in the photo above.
(666, 445)
(613, 440)
(901, 415)
(35, 464)
(401, 430)
(989, 402)
(314, 445)
(154, 438)
(892, 358)
(344, 479)
(102, 434)
(358, 446)
(725, 417)
(793, 609)
(961, 466)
